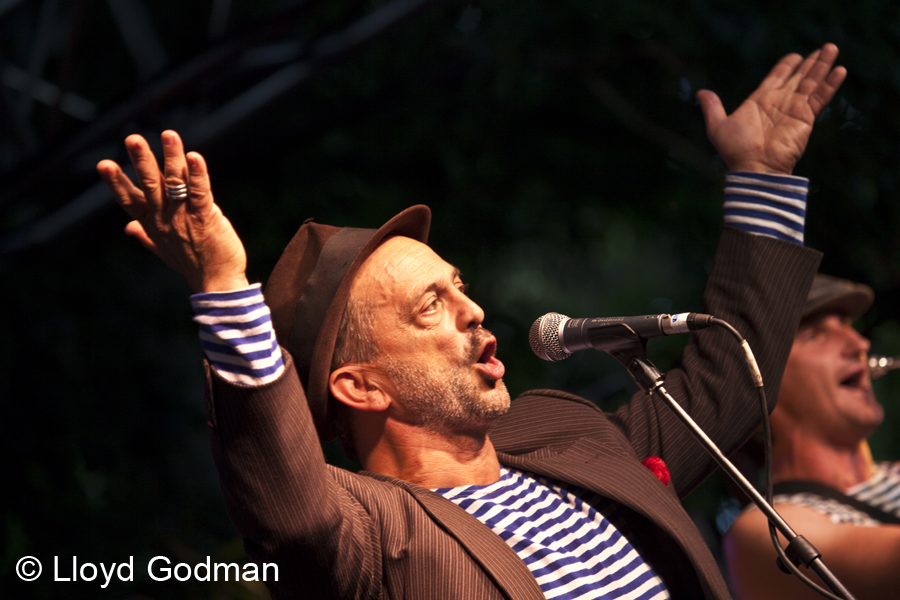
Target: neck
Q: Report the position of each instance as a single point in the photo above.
(433, 460)
(799, 456)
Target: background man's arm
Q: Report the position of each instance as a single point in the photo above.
(865, 559)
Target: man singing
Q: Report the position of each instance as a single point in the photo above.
(826, 484)
(465, 494)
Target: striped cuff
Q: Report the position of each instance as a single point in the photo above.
(237, 335)
(772, 205)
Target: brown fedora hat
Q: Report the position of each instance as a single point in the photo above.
(308, 291)
(839, 296)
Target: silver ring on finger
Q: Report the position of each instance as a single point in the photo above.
(177, 193)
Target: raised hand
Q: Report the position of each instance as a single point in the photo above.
(190, 235)
(769, 131)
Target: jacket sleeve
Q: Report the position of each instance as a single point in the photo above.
(286, 502)
(758, 285)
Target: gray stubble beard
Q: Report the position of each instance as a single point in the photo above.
(448, 400)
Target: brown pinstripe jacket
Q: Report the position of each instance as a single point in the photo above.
(336, 534)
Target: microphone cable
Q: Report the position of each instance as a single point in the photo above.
(784, 563)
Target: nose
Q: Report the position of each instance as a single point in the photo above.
(469, 314)
(856, 342)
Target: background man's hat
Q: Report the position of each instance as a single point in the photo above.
(308, 291)
(833, 295)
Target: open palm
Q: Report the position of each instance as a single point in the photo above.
(769, 131)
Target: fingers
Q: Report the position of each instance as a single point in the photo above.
(803, 75)
(174, 164)
(824, 62)
(815, 77)
(826, 91)
(200, 192)
(127, 195)
(803, 70)
(819, 71)
(136, 230)
(146, 170)
(152, 181)
(712, 109)
(781, 72)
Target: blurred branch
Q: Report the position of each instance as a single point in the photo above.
(679, 148)
(140, 36)
(165, 87)
(7, 5)
(328, 49)
(564, 59)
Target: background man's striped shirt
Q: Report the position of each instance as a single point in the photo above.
(882, 490)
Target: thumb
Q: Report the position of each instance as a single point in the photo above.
(712, 109)
(136, 230)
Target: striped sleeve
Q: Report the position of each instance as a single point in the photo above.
(772, 205)
(237, 335)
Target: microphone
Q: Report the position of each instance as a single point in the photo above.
(555, 337)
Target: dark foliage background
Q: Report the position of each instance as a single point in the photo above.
(563, 155)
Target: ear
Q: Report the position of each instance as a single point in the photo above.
(360, 386)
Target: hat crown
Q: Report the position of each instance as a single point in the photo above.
(835, 295)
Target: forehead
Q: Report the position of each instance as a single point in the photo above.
(820, 336)
(401, 269)
(824, 320)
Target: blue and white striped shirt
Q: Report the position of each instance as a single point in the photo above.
(772, 205)
(573, 551)
(882, 489)
(237, 335)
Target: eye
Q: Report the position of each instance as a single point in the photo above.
(431, 306)
(812, 333)
(462, 287)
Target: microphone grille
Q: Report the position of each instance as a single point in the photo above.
(544, 337)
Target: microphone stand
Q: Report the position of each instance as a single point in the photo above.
(633, 356)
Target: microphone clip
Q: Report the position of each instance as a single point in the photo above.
(631, 351)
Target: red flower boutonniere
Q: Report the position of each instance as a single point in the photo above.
(658, 468)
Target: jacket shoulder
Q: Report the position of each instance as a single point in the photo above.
(552, 418)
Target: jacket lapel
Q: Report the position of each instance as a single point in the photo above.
(498, 560)
(588, 465)
(585, 464)
(621, 479)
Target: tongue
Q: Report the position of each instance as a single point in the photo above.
(493, 368)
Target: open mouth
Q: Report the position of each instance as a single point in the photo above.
(854, 380)
(489, 366)
(488, 352)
